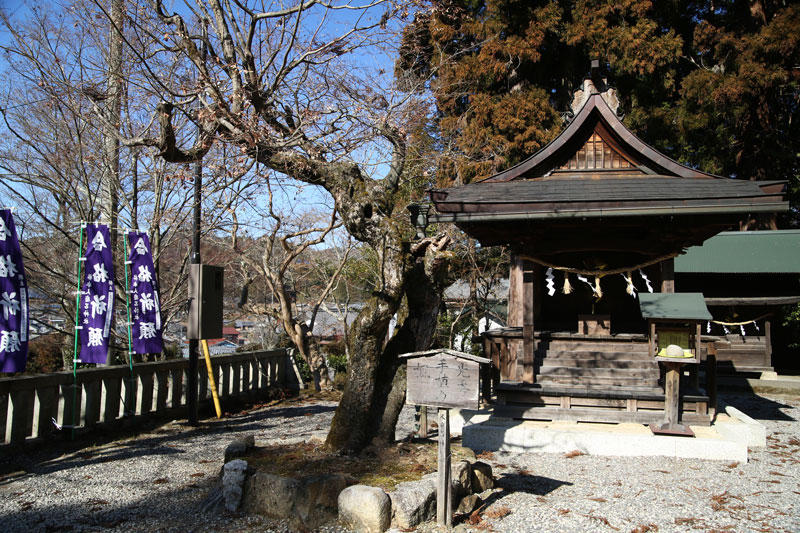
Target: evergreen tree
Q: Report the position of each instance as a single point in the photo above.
(711, 84)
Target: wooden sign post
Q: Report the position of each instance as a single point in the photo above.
(444, 379)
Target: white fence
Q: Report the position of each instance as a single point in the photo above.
(34, 407)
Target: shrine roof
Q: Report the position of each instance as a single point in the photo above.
(744, 252)
(597, 164)
(674, 306)
(562, 195)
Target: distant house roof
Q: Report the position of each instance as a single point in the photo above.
(329, 325)
(744, 252)
(227, 330)
(221, 342)
(498, 291)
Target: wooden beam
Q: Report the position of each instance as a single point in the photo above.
(754, 300)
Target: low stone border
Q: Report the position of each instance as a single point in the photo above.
(311, 501)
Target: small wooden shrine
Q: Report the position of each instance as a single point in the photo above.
(745, 277)
(592, 218)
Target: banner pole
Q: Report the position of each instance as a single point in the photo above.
(127, 300)
(75, 346)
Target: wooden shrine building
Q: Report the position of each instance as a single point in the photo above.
(592, 218)
(745, 277)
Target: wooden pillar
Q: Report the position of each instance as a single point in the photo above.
(768, 342)
(515, 298)
(711, 378)
(672, 381)
(668, 275)
(695, 369)
(528, 342)
(423, 422)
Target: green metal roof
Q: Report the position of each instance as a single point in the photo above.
(677, 305)
(744, 252)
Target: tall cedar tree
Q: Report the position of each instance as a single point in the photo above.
(712, 84)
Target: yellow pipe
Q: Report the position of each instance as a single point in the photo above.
(211, 379)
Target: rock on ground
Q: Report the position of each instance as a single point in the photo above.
(413, 502)
(233, 474)
(365, 509)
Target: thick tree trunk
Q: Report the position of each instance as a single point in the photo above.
(423, 290)
(375, 391)
(353, 427)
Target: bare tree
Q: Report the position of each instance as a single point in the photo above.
(276, 85)
(288, 231)
(61, 160)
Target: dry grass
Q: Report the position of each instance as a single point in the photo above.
(384, 468)
(645, 528)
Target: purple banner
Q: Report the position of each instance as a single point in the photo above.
(145, 306)
(13, 299)
(97, 295)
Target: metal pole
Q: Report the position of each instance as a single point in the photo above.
(191, 379)
(77, 333)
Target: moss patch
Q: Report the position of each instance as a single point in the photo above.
(384, 468)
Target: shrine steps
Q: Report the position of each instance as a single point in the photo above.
(596, 362)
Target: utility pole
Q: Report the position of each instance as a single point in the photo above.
(194, 344)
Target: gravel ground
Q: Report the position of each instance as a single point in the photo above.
(158, 481)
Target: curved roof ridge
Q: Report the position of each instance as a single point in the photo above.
(595, 102)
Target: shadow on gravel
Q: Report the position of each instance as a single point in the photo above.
(758, 407)
(98, 514)
(536, 485)
(61, 454)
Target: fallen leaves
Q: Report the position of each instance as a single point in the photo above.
(498, 512)
(603, 520)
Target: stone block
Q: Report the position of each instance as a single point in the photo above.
(461, 479)
(468, 504)
(270, 495)
(413, 502)
(365, 509)
(482, 478)
(239, 448)
(233, 477)
(318, 499)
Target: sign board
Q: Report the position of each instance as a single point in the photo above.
(443, 378)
